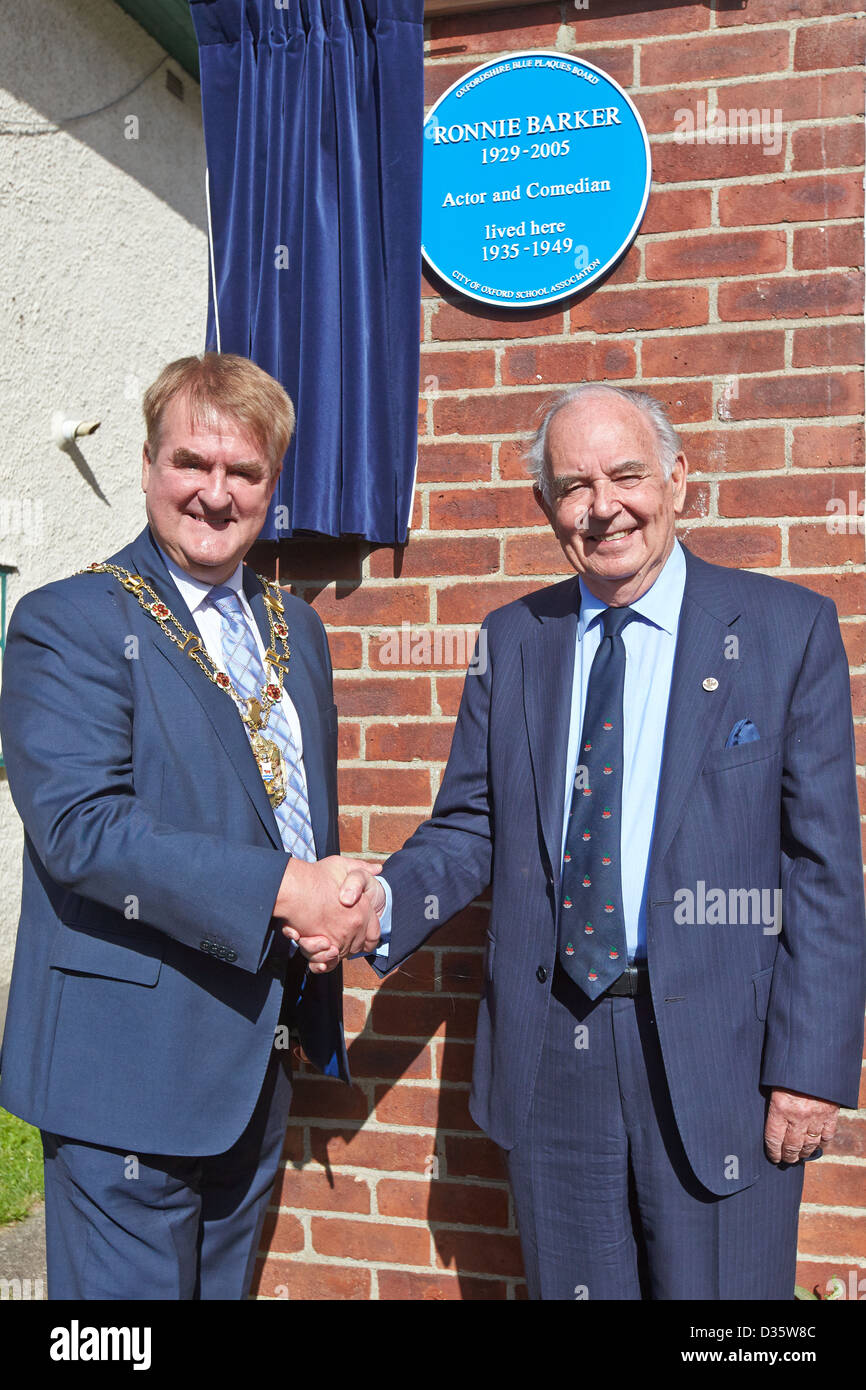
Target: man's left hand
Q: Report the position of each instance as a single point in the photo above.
(797, 1124)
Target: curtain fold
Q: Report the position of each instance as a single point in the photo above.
(313, 115)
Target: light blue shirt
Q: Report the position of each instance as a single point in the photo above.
(650, 643)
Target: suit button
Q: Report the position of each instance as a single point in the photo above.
(541, 974)
(231, 955)
(205, 945)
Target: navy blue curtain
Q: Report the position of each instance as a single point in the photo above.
(313, 115)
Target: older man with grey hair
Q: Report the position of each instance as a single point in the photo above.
(655, 771)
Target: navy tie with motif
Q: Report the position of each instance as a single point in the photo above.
(592, 944)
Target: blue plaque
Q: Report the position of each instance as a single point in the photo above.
(536, 177)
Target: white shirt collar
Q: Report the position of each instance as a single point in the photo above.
(194, 592)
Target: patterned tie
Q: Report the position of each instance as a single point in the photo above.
(592, 944)
(247, 674)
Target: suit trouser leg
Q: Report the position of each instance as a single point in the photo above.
(152, 1226)
(607, 1204)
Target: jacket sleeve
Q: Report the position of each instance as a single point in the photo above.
(67, 716)
(814, 1037)
(447, 862)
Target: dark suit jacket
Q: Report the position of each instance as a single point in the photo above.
(737, 1008)
(139, 1012)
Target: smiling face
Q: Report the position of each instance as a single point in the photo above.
(613, 510)
(207, 490)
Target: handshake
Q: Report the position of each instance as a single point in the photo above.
(330, 908)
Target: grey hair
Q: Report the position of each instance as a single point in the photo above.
(536, 456)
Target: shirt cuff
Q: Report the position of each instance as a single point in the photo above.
(381, 951)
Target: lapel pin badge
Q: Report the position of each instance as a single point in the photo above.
(710, 683)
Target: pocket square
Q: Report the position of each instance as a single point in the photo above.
(743, 731)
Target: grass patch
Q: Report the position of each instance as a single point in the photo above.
(21, 1178)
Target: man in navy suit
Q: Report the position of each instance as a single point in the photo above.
(653, 768)
(171, 741)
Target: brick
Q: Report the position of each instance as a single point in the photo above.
(836, 44)
(354, 1014)
(462, 972)
(406, 742)
(631, 19)
(389, 831)
(729, 253)
(456, 371)
(536, 554)
(351, 834)
(383, 695)
(453, 462)
(315, 1282)
(854, 638)
(661, 112)
(349, 741)
(617, 61)
(727, 450)
(454, 1061)
(448, 692)
(822, 97)
(464, 509)
(812, 198)
(415, 976)
(818, 247)
(315, 1191)
(677, 210)
(343, 606)
(684, 162)
(816, 547)
(801, 395)
(512, 465)
(500, 31)
(713, 354)
(621, 311)
(392, 1152)
(828, 345)
(421, 1017)
(406, 1286)
(766, 11)
(714, 56)
(371, 1240)
(462, 323)
(326, 558)
(828, 446)
(829, 147)
(470, 603)
(820, 1234)
(812, 296)
(383, 786)
(479, 1252)
(741, 547)
(628, 269)
(384, 1058)
(435, 648)
(416, 1106)
(282, 1233)
(455, 1203)
(346, 649)
(483, 414)
(568, 363)
(685, 401)
(802, 495)
(439, 76)
(322, 1098)
(465, 928)
(431, 557)
(848, 592)
(469, 1157)
(697, 503)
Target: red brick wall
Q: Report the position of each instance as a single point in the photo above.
(739, 306)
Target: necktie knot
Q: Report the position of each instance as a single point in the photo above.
(615, 619)
(226, 601)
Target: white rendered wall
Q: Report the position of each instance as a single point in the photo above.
(103, 279)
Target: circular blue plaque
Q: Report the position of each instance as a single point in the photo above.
(536, 177)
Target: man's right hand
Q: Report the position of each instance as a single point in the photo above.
(316, 904)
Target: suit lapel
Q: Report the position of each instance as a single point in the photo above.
(548, 671)
(143, 558)
(708, 610)
(299, 688)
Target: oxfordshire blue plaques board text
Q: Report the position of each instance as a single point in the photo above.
(536, 177)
